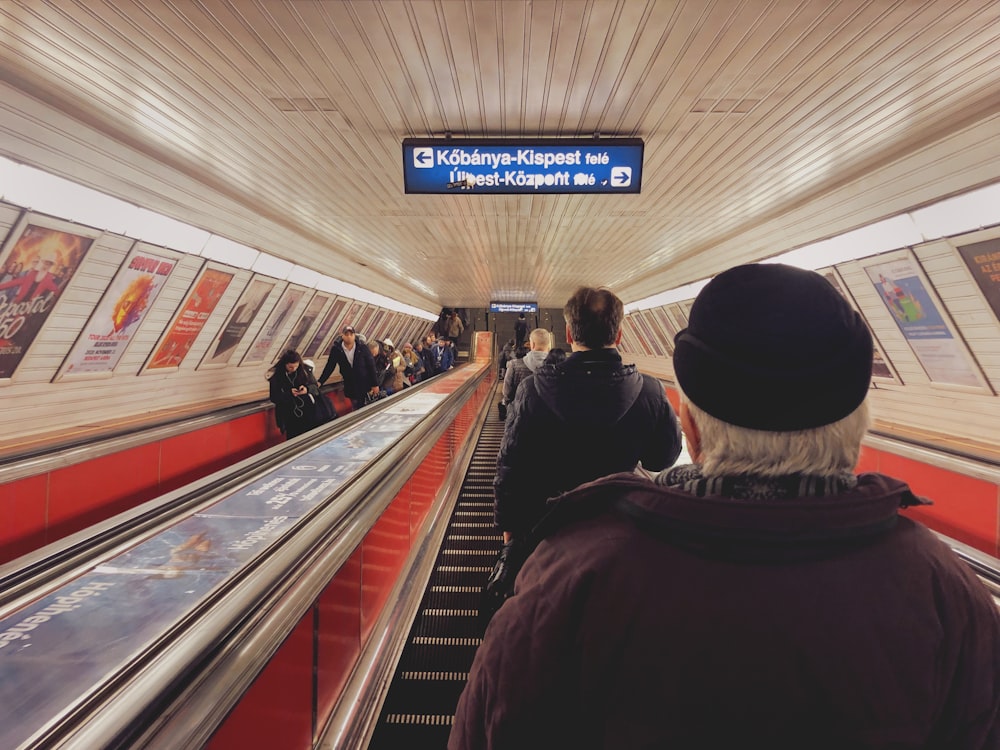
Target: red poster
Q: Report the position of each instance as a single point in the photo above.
(195, 312)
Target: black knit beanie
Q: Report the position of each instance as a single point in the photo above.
(773, 347)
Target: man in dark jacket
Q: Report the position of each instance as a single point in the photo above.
(587, 417)
(357, 367)
(764, 596)
(520, 331)
(427, 354)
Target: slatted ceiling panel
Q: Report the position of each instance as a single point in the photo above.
(641, 65)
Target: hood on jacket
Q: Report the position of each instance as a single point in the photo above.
(533, 360)
(590, 387)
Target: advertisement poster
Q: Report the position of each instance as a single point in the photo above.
(351, 316)
(906, 294)
(679, 311)
(633, 339)
(983, 260)
(667, 325)
(249, 304)
(117, 316)
(38, 261)
(880, 365)
(329, 321)
(482, 344)
(274, 324)
(661, 344)
(195, 312)
(313, 309)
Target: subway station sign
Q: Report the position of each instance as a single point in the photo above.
(513, 307)
(547, 165)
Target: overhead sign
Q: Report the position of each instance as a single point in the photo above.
(553, 165)
(513, 307)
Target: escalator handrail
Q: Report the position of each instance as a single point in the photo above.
(108, 718)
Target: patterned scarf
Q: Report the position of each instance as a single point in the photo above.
(752, 487)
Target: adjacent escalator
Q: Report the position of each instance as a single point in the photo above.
(442, 642)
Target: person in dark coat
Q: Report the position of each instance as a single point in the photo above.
(520, 331)
(587, 417)
(357, 367)
(295, 393)
(764, 596)
(430, 361)
(506, 354)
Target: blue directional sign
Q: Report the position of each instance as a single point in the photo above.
(513, 307)
(553, 165)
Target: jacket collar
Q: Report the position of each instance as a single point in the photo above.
(761, 531)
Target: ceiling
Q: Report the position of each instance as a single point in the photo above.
(279, 125)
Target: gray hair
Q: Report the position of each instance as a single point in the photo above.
(829, 450)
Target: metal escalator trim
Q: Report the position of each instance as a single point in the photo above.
(220, 648)
(353, 719)
(54, 565)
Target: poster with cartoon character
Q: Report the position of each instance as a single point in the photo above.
(908, 296)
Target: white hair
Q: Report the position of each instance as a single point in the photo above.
(728, 450)
(541, 338)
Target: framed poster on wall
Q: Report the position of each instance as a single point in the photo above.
(648, 334)
(983, 261)
(38, 260)
(201, 301)
(634, 337)
(664, 342)
(918, 313)
(273, 326)
(881, 367)
(330, 320)
(680, 311)
(666, 326)
(350, 318)
(364, 319)
(304, 323)
(221, 350)
(120, 312)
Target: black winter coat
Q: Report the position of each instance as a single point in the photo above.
(295, 414)
(573, 422)
(360, 378)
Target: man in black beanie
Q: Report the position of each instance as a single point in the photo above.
(764, 596)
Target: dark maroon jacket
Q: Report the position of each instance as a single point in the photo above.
(649, 618)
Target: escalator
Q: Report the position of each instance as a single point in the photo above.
(442, 642)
